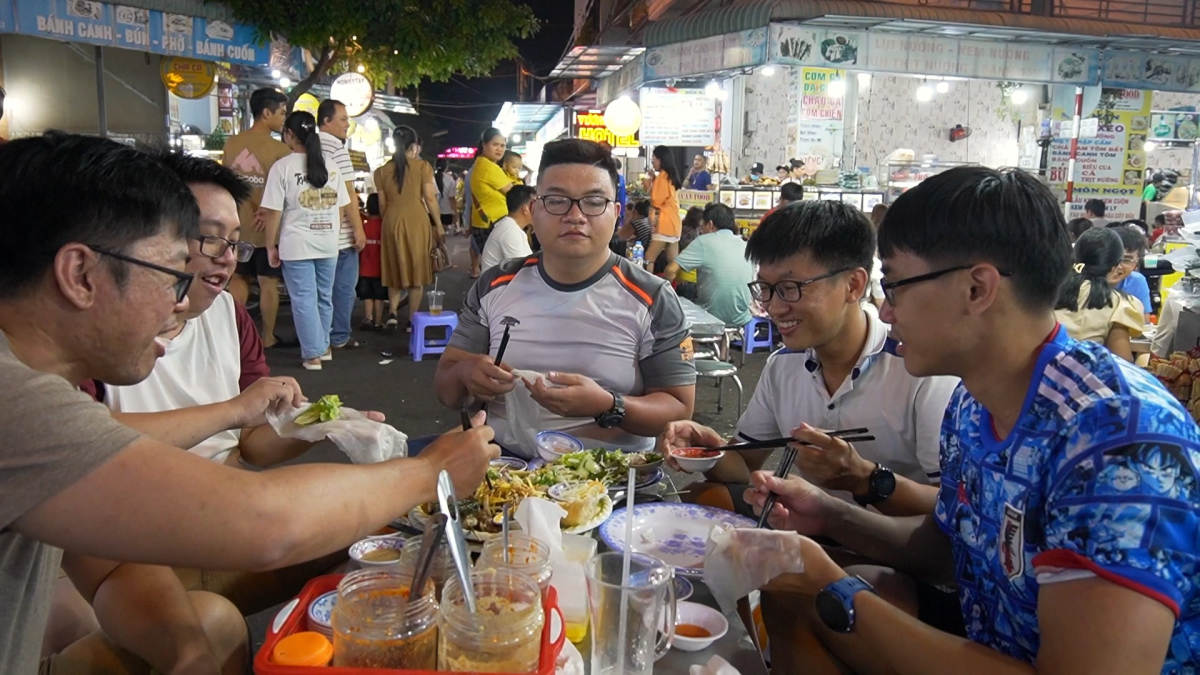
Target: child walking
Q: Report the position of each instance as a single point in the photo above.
(370, 287)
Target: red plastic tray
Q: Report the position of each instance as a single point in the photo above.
(293, 618)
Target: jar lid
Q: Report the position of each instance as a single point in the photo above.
(303, 649)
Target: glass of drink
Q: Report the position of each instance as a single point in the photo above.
(642, 606)
(435, 302)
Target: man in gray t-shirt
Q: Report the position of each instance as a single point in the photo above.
(611, 338)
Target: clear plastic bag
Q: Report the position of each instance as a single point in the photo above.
(742, 560)
(524, 414)
(363, 440)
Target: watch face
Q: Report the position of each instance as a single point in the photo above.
(833, 612)
(883, 483)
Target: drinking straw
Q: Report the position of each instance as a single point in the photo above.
(625, 568)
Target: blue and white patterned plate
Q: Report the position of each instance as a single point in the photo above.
(683, 589)
(643, 482)
(321, 610)
(677, 534)
(514, 463)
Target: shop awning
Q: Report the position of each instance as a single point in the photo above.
(383, 102)
(865, 14)
(594, 62)
(526, 118)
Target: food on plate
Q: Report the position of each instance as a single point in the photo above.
(691, 630)
(606, 466)
(643, 458)
(582, 502)
(326, 409)
(695, 453)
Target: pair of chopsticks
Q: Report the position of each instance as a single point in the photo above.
(848, 435)
(466, 425)
(789, 457)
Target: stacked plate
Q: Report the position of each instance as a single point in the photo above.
(320, 612)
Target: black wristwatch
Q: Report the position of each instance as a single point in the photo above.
(880, 486)
(835, 603)
(614, 416)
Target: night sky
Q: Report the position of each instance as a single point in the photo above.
(465, 107)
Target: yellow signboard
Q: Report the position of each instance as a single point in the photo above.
(307, 103)
(590, 126)
(188, 78)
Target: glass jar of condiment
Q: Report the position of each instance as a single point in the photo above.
(527, 555)
(377, 625)
(503, 635)
(441, 570)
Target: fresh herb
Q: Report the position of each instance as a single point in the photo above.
(327, 409)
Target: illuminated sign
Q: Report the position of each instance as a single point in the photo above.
(590, 126)
(457, 153)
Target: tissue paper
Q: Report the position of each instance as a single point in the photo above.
(363, 440)
(715, 666)
(540, 518)
(745, 559)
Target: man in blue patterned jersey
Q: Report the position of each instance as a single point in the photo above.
(1067, 514)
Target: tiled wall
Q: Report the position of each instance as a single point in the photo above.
(889, 117)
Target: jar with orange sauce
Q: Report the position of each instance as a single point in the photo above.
(377, 625)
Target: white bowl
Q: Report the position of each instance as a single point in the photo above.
(365, 546)
(554, 444)
(698, 615)
(696, 464)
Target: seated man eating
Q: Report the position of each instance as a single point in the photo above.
(838, 370)
(611, 339)
(1067, 511)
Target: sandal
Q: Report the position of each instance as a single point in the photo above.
(367, 325)
(391, 324)
(308, 365)
(280, 343)
(328, 355)
(349, 344)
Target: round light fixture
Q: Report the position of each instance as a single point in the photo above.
(768, 71)
(712, 89)
(623, 117)
(1019, 96)
(285, 82)
(924, 93)
(275, 74)
(516, 138)
(361, 68)
(837, 88)
(942, 87)
(1150, 146)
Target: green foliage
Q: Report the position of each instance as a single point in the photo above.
(410, 39)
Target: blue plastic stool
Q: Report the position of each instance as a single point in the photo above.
(750, 339)
(418, 345)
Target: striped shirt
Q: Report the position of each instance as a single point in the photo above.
(333, 148)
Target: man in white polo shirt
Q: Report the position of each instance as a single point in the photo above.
(508, 238)
(611, 337)
(838, 370)
(333, 124)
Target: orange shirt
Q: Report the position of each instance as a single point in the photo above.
(663, 198)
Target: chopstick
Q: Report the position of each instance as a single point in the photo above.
(466, 425)
(789, 456)
(848, 435)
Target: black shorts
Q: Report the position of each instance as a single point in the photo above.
(259, 266)
(940, 609)
(479, 237)
(371, 288)
(447, 219)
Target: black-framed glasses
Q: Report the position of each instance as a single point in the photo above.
(215, 247)
(183, 280)
(787, 290)
(557, 205)
(889, 287)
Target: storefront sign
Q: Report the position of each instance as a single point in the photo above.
(307, 103)
(816, 101)
(100, 23)
(552, 129)
(707, 55)
(355, 91)
(1109, 166)
(1136, 70)
(918, 54)
(458, 153)
(701, 198)
(590, 126)
(624, 81)
(188, 78)
(684, 117)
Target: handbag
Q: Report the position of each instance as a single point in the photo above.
(439, 257)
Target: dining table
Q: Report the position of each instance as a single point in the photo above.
(700, 322)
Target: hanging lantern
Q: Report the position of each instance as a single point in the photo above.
(623, 117)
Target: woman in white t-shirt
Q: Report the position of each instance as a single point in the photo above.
(305, 192)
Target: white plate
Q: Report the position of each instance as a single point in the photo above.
(606, 510)
(677, 534)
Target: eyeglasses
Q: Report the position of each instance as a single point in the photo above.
(557, 205)
(215, 247)
(183, 280)
(1129, 260)
(889, 287)
(787, 290)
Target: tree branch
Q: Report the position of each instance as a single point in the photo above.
(317, 73)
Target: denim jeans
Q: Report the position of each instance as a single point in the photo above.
(310, 286)
(345, 281)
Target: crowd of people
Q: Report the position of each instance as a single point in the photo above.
(1029, 503)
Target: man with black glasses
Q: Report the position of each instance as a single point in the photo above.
(611, 338)
(208, 392)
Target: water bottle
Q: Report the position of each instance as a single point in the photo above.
(639, 254)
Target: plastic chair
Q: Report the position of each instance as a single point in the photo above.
(419, 345)
(751, 341)
(720, 371)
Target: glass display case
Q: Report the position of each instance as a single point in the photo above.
(750, 203)
(900, 176)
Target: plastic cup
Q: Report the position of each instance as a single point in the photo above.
(435, 302)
